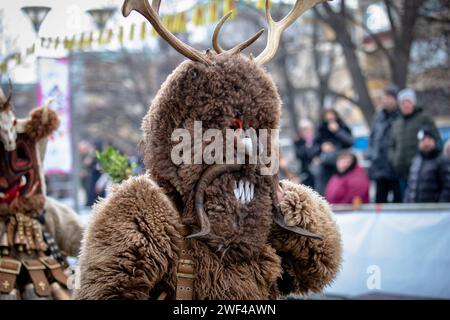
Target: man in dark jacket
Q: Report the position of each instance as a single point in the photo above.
(381, 170)
(403, 146)
(429, 177)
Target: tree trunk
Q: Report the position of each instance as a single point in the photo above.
(289, 87)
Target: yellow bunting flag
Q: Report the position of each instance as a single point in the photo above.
(143, 30)
(132, 29)
(120, 35)
(198, 18)
(166, 22)
(49, 43)
(31, 50)
(57, 41)
(91, 39)
(18, 58)
(182, 22)
(109, 36)
(213, 11)
(261, 4)
(230, 5)
(81, 42)
(100, 36)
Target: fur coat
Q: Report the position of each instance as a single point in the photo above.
(132, 245)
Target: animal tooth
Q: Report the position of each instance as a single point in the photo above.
(23, 181)
(2, 195)
(247, 191)
(236, 190)
(241, 189)
(252, 191)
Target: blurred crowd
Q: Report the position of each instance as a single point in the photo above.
(408, 159)
(409, 162)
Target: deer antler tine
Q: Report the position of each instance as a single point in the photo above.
(268, 15)
(156, 4)
(247, 43)
(276, 28)
(237, 48)
(215, 39)
(151, 14)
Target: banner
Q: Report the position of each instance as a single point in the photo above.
(203, 13)
(53, 83)
(394, 253)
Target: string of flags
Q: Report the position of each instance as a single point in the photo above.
(201, 14)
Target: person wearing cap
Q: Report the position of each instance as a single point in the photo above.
(429, 176)
(381, 169)
(403, 145)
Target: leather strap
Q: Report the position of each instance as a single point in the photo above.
(9, 269)
(185, 271)
(36, 270)
(55, 269)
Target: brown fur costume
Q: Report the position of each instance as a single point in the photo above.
(133, 243)
(34, 229)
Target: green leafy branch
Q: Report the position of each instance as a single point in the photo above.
(115, 164)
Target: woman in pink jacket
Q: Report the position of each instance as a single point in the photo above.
(350, 184)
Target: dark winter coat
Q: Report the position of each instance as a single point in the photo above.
(429, 178)
(342, 139)
(404, 145)
(379, 142)
(304, 156)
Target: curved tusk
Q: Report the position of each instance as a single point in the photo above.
(205, 180)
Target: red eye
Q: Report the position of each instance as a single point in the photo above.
(14, 122)
(238, 123)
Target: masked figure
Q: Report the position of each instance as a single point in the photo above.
(36, 232)
(189, 230)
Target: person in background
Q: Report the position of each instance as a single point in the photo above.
(303, 151)
(381, 170)
(429, 176)
(403, 146)
(89, 170)
(446, 149)
(350, 184)
(285, 172)
(331, 137)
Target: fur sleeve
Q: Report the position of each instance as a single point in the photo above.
(129, 243)
(64, 225)
(308, 264)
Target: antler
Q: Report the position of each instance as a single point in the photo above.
(45, 108)
(276, 28)
(239, 47)
(151, 14)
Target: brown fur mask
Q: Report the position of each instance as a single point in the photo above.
(219, 89)
(214, 95)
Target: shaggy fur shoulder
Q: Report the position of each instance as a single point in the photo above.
(41, 125)
(131, 240)
(308, 264)
(64, 225)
